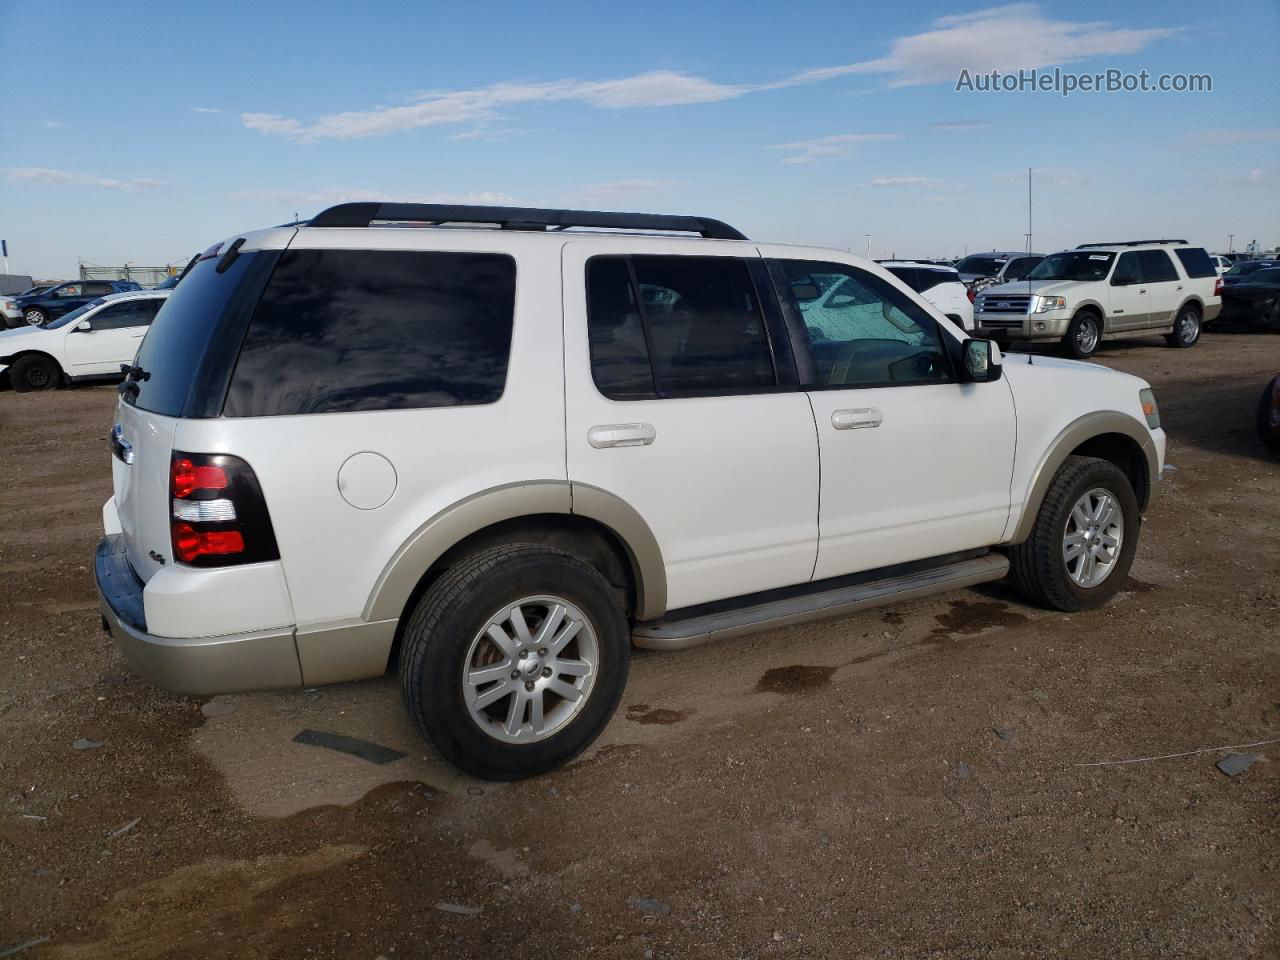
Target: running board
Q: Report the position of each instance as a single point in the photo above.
(819, 605)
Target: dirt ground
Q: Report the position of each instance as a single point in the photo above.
(905, 783)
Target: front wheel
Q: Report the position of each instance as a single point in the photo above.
(1083, 540)
(1186, 328)
(1083, 335)
(35, 373)
(35, 316)
(514, 660)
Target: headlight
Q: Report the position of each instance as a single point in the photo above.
(1045, 304)
(1148, 400)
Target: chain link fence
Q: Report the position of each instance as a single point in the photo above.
(146, 276)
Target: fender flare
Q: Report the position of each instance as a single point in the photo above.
(429, 542)
(1079, 431)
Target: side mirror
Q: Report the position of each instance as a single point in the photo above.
(982, 361)
(84, 326)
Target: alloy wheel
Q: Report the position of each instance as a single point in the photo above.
(1093, 537)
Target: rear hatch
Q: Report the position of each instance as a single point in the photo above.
(181, 371)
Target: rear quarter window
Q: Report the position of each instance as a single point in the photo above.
(1196, 262)
(348, 330)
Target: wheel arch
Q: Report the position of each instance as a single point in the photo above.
(1108, 435)
(1094, 307)
(595, 525)
(13, 358)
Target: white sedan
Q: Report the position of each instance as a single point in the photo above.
(86, 344)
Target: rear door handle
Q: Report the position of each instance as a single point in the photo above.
(857, 419)
(622, 435)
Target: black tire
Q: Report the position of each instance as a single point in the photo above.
(35, 317)
(1037, 565)
(1186, 328)
(1072, 341)
(451, 614)
(1268, 434)
(35, 372)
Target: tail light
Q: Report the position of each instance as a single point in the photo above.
(971, 294)
(219, 517)
(1217, 287)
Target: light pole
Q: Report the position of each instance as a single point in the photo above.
(1230, 238)
(868, 236)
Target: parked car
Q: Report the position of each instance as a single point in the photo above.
(500, 457)
(9, 306)
(1255, 299)
(88, 343)
(997, 265)
(940, 285)
(1268, 420)
(1099, 291)
(1220, 263)
(1242, 271)
(39, 308)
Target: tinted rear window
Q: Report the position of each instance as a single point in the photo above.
(174, 350)
(1196, 262)
(344, 330)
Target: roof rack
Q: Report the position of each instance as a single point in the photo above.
(1126, 243)
(518, 218)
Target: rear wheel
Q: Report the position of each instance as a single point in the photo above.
(1186, 328)
(514, 660)
(35, 316)
(35, 373)
(1083, 540)
(1083, 335)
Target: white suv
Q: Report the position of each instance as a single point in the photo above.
(89, 343)
(1100, 291)
(500, 457)
(939, 285)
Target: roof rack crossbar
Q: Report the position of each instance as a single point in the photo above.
(1126, 243)
(518, 218)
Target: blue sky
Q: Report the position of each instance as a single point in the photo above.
(149, 132)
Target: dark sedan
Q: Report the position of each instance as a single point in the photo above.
(1254, 300)
(1243, 271)
(39, 308)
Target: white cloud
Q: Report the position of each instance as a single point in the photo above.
(1253, 177)
(51, 177)
(329, 196)
(837, 145)
(608, 192)
(904, 181)
(1235, 136)
(959, 124)
(205, 110)
(491, 134)
(659, 88)
(1007, 38)
(53, 124)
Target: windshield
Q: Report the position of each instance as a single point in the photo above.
(985, 266)
(75, 314)
(32, 292)
(1073, 265)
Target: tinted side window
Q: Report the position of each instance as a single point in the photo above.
(343, 330)
(131, 313)
(619, 354)
(909, 275)
(1156, 266)
(1128, 270)
(99, 289)
(931, 278)
(1196, 262)
(67, 290)
(861, 332)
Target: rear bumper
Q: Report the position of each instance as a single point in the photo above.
(202, 666)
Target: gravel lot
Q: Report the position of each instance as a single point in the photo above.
(905, 783)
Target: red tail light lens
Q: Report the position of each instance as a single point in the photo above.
(1217, 287)
(219, 517)
(970, 294)
(190, 544)
(188, 478)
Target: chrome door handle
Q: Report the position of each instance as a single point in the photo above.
(857, 419)
(622, 435)
(1142, 291)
